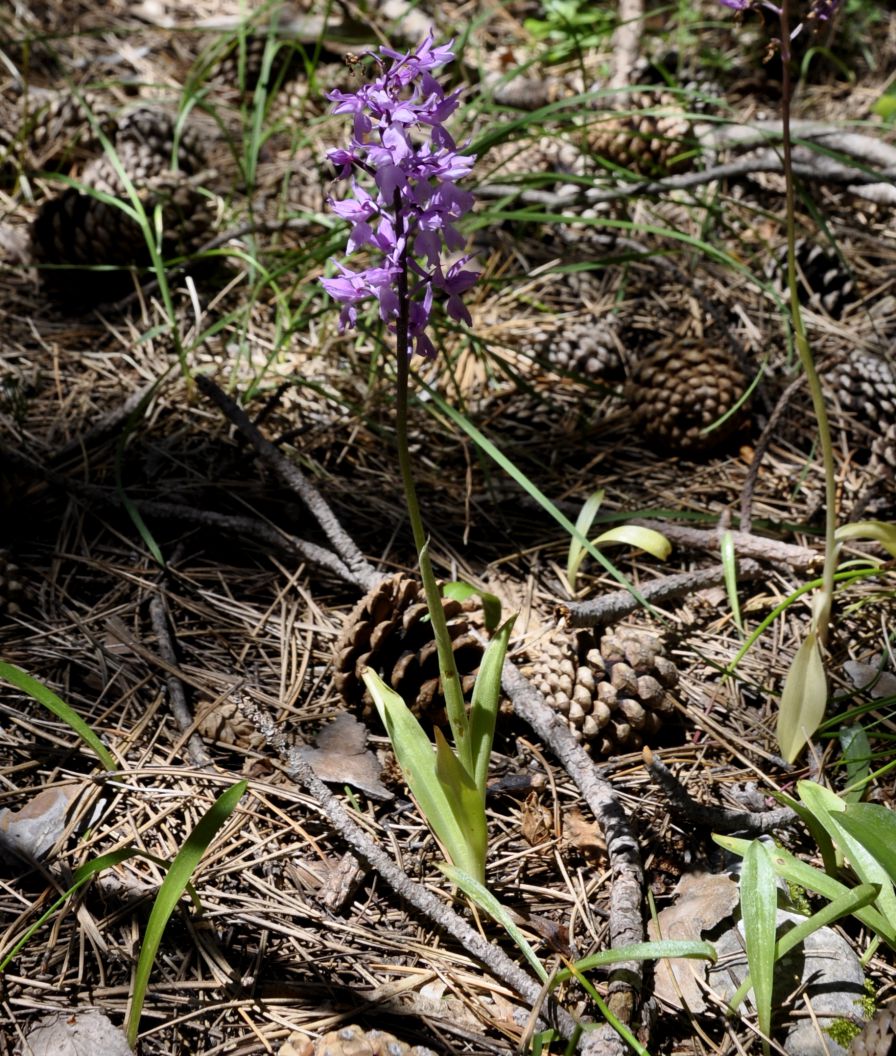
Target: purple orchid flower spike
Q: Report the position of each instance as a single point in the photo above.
(408, 211)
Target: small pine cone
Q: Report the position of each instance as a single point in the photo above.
(613, 696)
(879, 1036)
(823, 284)
(388, 631)
(865, 385)
(12, 585)
(679, 388)
(653, 137)
(351, 1041)
(586, 346)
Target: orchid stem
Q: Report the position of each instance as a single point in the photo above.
(451, 687)
(822, 609)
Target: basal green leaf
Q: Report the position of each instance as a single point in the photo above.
(480, 894)
(491, 605)
(803, 699)
(857, 756)
(759, 913)
(485, 704)
(643, 951)
(584, 521)
(646, 539)
(874, 827)
(461, 837)
(829, 808)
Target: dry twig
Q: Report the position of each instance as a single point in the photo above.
(721, 819)
(597, 612)
(365, 574)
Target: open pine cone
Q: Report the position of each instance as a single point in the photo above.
(585, 345)
(389, 632)
(865, 385)
(651, 136)
(678, 388)
(351, 1041)
(823, 283)
(613, 695)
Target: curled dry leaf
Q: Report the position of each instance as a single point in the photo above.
(584, 835)
(33, 830)
(341, 757)
(82, 1033)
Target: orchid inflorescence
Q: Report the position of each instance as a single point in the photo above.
(819, 10)
(399, 138)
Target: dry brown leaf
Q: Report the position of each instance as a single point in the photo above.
(535, 820)
(703, 901)
(33, 830)
(341, 757)
(584, 834)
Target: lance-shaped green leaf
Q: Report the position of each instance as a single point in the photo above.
(878, 531)
(803, 699)
(583, 525)
(445, 793)
(18, 678)
(759, 913)
(828, 807)
(857, 756)
(485, 704)
(798, 872)
(874, 827)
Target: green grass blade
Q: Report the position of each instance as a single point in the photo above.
(584, 521)
(170, 892)
(759, 913)
(39, 692)
(857, 756)
(487, 902)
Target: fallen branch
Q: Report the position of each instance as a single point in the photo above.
(719, 819)
(598, 612)
(366, 575)
(625, 920)
(746, 545)
(416, 895)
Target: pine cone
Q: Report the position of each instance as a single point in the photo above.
(12, 585)
(613, 696)
(388, 631)
(883, 453)
(678, 388)
(144, 143)
(64, 129)
(653, 137)
(865, 385)
(351, 1041)
(879, 1036)
(584, 345)
(822, 282)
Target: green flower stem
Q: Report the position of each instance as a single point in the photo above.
(451, 687)
(822, 609)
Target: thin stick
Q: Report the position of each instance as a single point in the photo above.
(625, 920)
(366, 575)
(719, 819)
(177, 698)
(608, 608)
